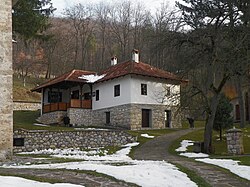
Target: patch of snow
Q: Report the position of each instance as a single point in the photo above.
(232, 165)
(91, 78)
(184, 145)
(122, 167)
(7, 181)
(143, 173)
(194, 155)
(42, 125)
(41, 158)
(147, 136)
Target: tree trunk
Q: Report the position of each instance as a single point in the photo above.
(241, 102)
(220, 132)
(209, 126)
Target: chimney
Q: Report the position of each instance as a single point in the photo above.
(135, 55)
(113, 60)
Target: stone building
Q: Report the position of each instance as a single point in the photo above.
(129, 95)
(6, 117)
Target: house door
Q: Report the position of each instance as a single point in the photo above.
(107, 117)
(168, 118)
(145, 118)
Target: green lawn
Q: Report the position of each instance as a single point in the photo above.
(26, 119)
(219, 147)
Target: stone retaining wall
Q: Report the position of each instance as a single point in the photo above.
(70, 139)
(235, 141)
(26, 105)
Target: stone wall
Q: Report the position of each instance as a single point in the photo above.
(6, 115)
(80, 116)
(119, 116)
(235, 141)
(52, 117)
(130, 116)
(38, 140)
(127, 116)
(26, 105)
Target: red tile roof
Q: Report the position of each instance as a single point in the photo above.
(112, 72)
(71, 76)
(140, 68)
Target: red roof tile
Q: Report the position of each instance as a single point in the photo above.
(70, 76)
(115, 71)
(140, 68)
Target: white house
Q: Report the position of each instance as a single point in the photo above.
(131, 95)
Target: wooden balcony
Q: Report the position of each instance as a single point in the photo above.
(74, 103)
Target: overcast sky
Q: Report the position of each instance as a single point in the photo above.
(62, 4)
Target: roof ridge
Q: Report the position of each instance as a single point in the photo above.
(72, 72)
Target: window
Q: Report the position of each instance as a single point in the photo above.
(117, 90)
(143, 89)
(97, 95)
(54, 97)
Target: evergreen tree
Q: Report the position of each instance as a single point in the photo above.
(223, 118)
(30, 17)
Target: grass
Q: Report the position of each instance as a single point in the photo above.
(21, 93)
(142, 140)
(219, 147)
(26, 119)
(193, 176)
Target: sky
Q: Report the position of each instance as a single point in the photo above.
(62, 4)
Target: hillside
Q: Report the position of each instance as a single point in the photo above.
(23, 93)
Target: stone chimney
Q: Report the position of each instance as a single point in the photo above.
(113, 60)
(135, 55)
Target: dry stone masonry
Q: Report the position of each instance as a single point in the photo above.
(39, 140)
(6, 116)
(235, 141)
(26, 105)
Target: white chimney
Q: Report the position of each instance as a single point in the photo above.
(135, 55)
(113, 60)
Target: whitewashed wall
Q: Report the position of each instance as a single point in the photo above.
(130, 92)
(106, 93)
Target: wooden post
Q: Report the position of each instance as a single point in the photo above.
(81, 95)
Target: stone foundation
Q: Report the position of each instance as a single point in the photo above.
(124, 116)
(235, 142)
(130, 116)
(80, 117)
(52, 117)
(38, 140)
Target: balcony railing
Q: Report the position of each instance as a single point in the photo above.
(62, 106)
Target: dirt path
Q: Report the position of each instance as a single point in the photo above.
(157, 149)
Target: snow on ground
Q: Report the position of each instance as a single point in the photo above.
(232, 165)
(194, 155)
(121, 166)
(147, 136)
(91, 78)
(6, 181)
(184, 145)
(97, 129)
(41, 125)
